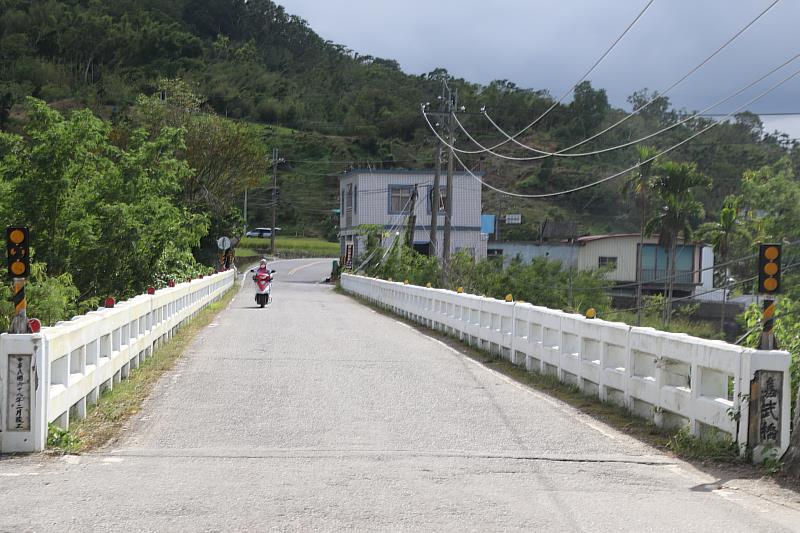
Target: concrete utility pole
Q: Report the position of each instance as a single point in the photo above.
(245, 210)
(274, 198)
(436, 193)
(452, 104)
(412, 218)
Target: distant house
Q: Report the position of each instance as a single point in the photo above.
(383, 198)
(617, 254)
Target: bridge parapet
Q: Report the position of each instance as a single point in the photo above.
(55, 375)
(673, 379)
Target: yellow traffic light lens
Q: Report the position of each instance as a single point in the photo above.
(772, 253)
(16, 236)
(18, 268)
(771, 284)
(771, 269)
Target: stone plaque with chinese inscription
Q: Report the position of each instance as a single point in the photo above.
(766, 393)
(19, 393)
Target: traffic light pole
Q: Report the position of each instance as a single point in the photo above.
(769, 284)
(768, 325)
(18, 258)
(19, 324)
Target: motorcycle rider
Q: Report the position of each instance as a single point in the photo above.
(262, 273)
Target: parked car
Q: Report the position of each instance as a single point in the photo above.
(262, 233)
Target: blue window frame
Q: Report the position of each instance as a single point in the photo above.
(655, 263)
(399, 199)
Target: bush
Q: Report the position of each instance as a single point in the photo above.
(540, 282)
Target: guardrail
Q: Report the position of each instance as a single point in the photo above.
(54, 375)
(672, 379)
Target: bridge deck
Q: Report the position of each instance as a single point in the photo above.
(319, 413)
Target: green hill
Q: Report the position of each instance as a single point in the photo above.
(327, 108)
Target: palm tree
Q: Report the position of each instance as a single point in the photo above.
(678, 209)
(721, 234)
(637, 185)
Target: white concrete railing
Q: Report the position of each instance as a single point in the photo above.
(673, 379)
(75, 361)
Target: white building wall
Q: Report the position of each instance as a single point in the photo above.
(373, 207)
(623, 248)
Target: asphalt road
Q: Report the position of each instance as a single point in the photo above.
(318, 413)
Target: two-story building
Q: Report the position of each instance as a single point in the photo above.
(384, 198)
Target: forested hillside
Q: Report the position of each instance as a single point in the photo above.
(251, 60)
(219, 83)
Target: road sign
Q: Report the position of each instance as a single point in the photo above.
(514, 219)
(348, 255)
(223, 243)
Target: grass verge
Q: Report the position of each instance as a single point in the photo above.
(307, 246)
(681, 444)
(104, 421)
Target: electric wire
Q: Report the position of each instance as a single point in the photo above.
(584, 77)
(561, 153)
(513, 138)
(629, 169)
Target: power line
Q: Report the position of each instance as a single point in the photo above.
(582, 78)
(775, 114)
(561, 153)
(637, 165)
(513, 138)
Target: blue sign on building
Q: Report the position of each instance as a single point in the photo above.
(488, 223)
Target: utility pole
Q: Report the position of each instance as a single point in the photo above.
(452, 104)
(245, 210)
(274, 199)
(436, 193)
(412, 218)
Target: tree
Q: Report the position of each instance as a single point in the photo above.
(226, 157)
(589, 108)
(677, 211)
(638, 185)
(105, 215)
(721, 233)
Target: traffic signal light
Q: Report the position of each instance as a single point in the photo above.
(769, 268)
(18, 251)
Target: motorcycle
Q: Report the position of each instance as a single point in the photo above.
(263, 281)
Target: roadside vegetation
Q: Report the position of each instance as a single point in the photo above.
(293, 246)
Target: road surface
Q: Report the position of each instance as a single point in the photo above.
(318, 413)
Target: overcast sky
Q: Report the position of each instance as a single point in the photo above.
(549, 44)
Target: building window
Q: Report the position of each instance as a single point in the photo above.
(355, 199)
(442, 199)
(400, 199)
(609, 263)
(656, 264)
